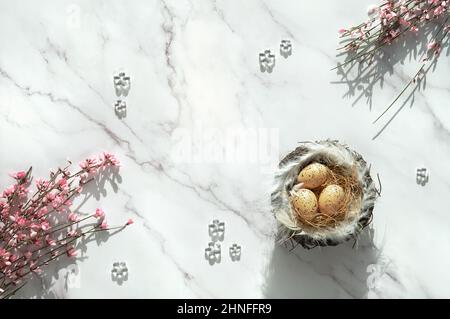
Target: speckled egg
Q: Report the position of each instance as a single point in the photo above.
(305, 203)
(313, 175)
(331, 199)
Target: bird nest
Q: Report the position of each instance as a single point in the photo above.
(345, 168)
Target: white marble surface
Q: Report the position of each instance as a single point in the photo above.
(194, 68)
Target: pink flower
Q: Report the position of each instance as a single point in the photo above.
(42, 212)
(104, 225)
(99, 213)
(4, 254)
(9, 191)
(62, 182)
(41, 184)
(89, 165)
(394, 33)
(45, 225)
(342, 30)
(432, 45)
(22, 191)
(439, 10)
(71, 252)
(51, 195)
(21, 221)
(57, 203)
(129, 222)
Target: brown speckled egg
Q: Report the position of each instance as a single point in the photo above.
(313, 175)
(331, 199)
(305, 203)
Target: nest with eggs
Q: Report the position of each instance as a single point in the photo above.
(324, 194)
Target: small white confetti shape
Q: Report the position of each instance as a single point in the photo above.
(213, 253)
(235, 252)
(119, 271)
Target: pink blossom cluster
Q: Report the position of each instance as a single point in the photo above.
(37, 229)
(392, 19)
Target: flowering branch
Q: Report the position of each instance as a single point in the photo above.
(36, 230)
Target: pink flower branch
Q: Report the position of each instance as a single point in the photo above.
(37, 229)
(393, 19)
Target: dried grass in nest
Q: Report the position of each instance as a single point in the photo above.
(352, 199)
(343, 162)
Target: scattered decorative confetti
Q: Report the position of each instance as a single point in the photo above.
(120, 108)
(235, 252)
(122, 84)
(266, 61)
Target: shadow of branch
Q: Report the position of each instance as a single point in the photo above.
(323, 272)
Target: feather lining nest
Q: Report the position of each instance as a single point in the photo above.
(330, 153)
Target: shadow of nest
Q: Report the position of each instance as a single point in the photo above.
(343, 271)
